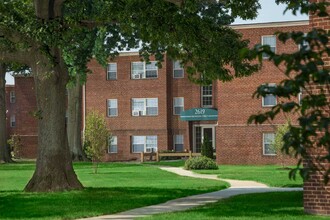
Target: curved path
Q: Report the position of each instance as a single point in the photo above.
(237, 187)
(233, 183)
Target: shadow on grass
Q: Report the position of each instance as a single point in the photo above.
(88, 202)
(17, 166)
(292, 185)
(89, 165)
(258, 205)
(270, 206)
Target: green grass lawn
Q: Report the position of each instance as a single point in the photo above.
(117, 187)
(271, 175)
(171, 163)
(270, 206)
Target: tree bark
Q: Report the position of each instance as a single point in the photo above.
(74, 122)
(54, 170)
(5, 156)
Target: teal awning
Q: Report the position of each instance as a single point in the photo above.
(199, 114)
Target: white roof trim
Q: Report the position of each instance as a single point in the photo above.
(124, 53)
(271, 24)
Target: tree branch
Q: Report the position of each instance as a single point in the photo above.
(48, 9)
(15, 37)
(22, 57)
(181, 2)
(176, 2)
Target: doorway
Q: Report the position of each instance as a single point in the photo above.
(200, 131)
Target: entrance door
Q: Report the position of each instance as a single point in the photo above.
(199, 133)
(209, 133)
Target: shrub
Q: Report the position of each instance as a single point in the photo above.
(15, 144)
(96, 136)
(200, 163)
(207, 149)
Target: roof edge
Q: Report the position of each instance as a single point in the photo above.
(128, 53)
(270, 24)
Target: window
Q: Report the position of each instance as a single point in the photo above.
(300, 96)
(268, 139)
(145, 106)
(112, 71)
(144, 144)
(269, 100)
(112, 108)
(178, 143)
(271, 41)
(304, 44)
(12, 121)
(112, 147)
(142, 70)
(177, 69)
(12, 97)
(207, 96)
(178, 105)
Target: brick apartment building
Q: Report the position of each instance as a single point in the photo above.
(21, 105)
(151, 109)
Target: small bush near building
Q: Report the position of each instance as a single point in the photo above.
(96, 136)
(15, 144)
(200, 163)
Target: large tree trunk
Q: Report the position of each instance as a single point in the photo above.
(54, 170)
(5, 156)
(74, 122)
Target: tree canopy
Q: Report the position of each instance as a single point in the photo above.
(192, 31)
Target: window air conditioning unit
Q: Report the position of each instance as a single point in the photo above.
(150, 150)
(135, 113)
(136, 76)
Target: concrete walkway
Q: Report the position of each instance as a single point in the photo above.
(237, 187)
(233, 183)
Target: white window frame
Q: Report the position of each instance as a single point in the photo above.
(202, 127)
(111, 71)
(275, 97)
(12, 121)
(265, 56)
(175, 143)
(178, 106)
(113, 143)
(145, 143)
(12, 97)
(142, 74)
(304, 43)
(264, 144)
(109, 107)
(177, 67)
(202, 96)
(300, 96)
(144, 112)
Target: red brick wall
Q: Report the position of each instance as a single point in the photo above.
(316, 193)
(11, 110)
(165, 88)
(124, 89)
(237, 142)
(181, 87)
(26, 123)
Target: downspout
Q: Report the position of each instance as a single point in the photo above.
(84, 109)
